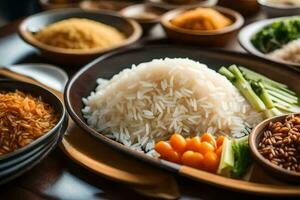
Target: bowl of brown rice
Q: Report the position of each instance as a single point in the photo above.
(275, 145)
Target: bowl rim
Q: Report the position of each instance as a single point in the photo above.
(278, 7)
(48, 3)
(245, 34)
(28, 37)
(33, 161)
(63, 121)
(238, 23)
(258, 157)
(21, 158)
(143, 5)
(170, 6)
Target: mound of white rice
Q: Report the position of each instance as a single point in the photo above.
(152, 100)
(289, 52)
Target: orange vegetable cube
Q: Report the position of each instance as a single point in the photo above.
(206, 137)
(178, 143)
(192, 159)
(205, 147)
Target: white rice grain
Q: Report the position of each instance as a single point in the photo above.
(151, 101)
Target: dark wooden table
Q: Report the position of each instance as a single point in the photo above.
(57, 177)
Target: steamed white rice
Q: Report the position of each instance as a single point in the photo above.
(152, 100)
(289, 52)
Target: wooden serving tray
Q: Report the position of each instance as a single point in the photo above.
(85, 150)
(82, 83)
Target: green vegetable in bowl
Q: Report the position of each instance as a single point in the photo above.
(277, 34)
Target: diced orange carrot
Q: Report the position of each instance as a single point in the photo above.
(178, 143)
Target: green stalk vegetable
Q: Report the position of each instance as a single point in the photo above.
(283, 98)
(279, 101)
(251, 75)
(264, 94)
(272, 112)
(245, 88)
(227, 159)
(225, 72)
(259, 89)
(280, 90)
(289, 109)
(242, 156)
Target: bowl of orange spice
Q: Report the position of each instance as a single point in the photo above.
(208, 26)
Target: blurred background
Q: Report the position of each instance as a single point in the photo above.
(15, 9)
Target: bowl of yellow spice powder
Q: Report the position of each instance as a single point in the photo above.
(75, 37)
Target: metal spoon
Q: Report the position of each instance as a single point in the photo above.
(46, 74)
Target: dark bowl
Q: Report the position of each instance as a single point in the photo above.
(49, 4)
(245, 7)
(48, 97)
(8, 164)
(21, 167)
(218, 37)
(75, 57)
(254, 139)
(136, 11)
(105, 5)
(181, 3)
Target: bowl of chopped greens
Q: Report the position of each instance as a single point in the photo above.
(275, 39)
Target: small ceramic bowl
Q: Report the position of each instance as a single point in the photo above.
(248, 31)
(51, 4)
(76, 57)
(146, 15)
(206, 38)
(278, 10)
(104, 5)
(175, 4)
(245, 7)
(254, 139)
(15, 163)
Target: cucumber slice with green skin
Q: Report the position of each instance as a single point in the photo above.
(251, 75)
(279, 101)
(283, 98)
(284, 90)
(227, 159)
(283, 94)
(290, 109)
(272, 112)
(245, 88)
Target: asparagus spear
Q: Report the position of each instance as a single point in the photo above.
(283, 97)
(245, 88)
(279, 101)
(249, 74)
(282, 93)
(262, 93)
(272, 112)
(259, 89)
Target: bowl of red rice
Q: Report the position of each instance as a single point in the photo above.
(32, 119)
